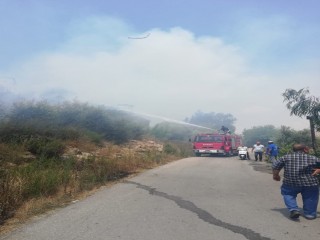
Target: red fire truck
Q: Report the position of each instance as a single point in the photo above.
(216, 144)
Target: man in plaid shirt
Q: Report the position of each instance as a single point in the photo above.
(299, 177)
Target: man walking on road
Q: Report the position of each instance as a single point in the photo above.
(299, 177)
(258, 149)
(272, 151)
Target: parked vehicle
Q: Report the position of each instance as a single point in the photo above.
(216, 144)
(243, 153)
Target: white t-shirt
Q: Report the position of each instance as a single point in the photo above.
(258, 148)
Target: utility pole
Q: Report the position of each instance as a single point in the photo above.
(313, 135)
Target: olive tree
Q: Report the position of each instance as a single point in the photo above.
(302, 104)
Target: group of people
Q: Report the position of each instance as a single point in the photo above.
(258, 149)
(271, 151)
(301, 175)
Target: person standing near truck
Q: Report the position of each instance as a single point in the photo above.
(258, 150)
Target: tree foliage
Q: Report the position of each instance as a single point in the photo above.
(301, 104)
(284, 136)
(261, 133)
(213, 120)
(287, 137)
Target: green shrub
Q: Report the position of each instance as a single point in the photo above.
(53, 149)
(68, 133)
(184, 148)
(94, 137)
(11, 154)
(98, 171)
(169, 149)
(49, 148)
(41, 178)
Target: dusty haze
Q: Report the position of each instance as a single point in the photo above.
(216, 58)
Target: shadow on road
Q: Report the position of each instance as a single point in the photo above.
(283, 211)
(261, 166)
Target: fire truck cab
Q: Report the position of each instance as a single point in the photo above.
(216, 144)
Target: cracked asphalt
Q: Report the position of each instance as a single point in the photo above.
(193, 198)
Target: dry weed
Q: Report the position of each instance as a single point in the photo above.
(107, 165)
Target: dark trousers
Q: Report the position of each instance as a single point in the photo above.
(258, 154)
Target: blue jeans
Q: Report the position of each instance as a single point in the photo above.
(256, 154)
(310, 198)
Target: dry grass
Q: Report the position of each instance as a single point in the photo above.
(94, 167)
(85, 146)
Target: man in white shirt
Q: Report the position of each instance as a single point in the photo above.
(258, 150)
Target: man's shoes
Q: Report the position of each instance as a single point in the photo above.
(294, 214)
(310, 217)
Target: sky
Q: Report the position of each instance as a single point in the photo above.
(168, 58)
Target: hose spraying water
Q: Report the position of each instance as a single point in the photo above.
(166, 119)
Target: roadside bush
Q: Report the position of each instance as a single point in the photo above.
(184, 148)
(40, 182)
(42, 177)
(68, 133)
(98, 171)
(49, 148)
(53, 149)
(93, 137)
(11, 188)
(169, 149)
(12, 154)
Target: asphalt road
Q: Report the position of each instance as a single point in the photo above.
(194, 198)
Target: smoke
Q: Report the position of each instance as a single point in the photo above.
(170, 73)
